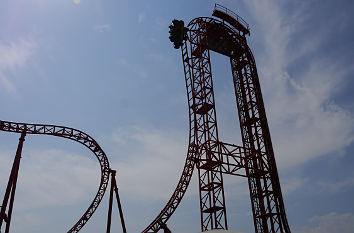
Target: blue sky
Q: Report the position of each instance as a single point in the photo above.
(107, 68)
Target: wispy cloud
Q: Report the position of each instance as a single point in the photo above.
(77, 1)
(304, 122)
(13, 56)
(154, 167)
(52, 178)
(123, 61)
(158, 57)
(331, 186)
(330, 223)
(101, 27)
(142, 74)
(141, 17)
(293, 184)
(161, 23)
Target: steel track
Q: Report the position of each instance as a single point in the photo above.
(186, 176)
(195, 147)
(77, 136)
(193, 152)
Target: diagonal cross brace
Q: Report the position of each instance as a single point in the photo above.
(233, 158)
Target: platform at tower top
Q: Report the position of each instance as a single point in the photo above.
(232, 18)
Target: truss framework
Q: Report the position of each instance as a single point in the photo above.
(213, 158)
(257, 159)
(75, 135)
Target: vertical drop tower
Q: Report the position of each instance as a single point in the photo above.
(225, 33)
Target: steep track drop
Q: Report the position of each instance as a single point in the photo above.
(255, 159)
(213, 158)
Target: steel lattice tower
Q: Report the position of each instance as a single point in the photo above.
(253, 160)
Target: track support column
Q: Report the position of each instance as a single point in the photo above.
(11, 187)
(209, 161)
(114, 188)
(265, 193)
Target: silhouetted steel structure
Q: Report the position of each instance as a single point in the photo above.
(114, 188)
(11, 187)
(213, 158)
(72, 134)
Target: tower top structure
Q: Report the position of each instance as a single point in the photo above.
(232, 18)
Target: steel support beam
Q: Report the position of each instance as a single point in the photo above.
(11, 187)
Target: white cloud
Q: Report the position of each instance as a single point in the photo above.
(141, 17)
(27, 221)
(13, 56)
(330, 223)
(77, 1)
(156, 160)
(292, 185)
(123, 61)
(336, 186)
(327, 187)
(158, 58)
(52, 178)
(236, 188)
(101, 27)
(142, 74)
(161, 23)
(304, 122)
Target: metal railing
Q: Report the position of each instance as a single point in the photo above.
(232, 14)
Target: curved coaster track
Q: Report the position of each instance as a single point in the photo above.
(253, 160)
(213, 158)
(77, 136)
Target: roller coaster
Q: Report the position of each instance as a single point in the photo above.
(225, 33)
(68, 133)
